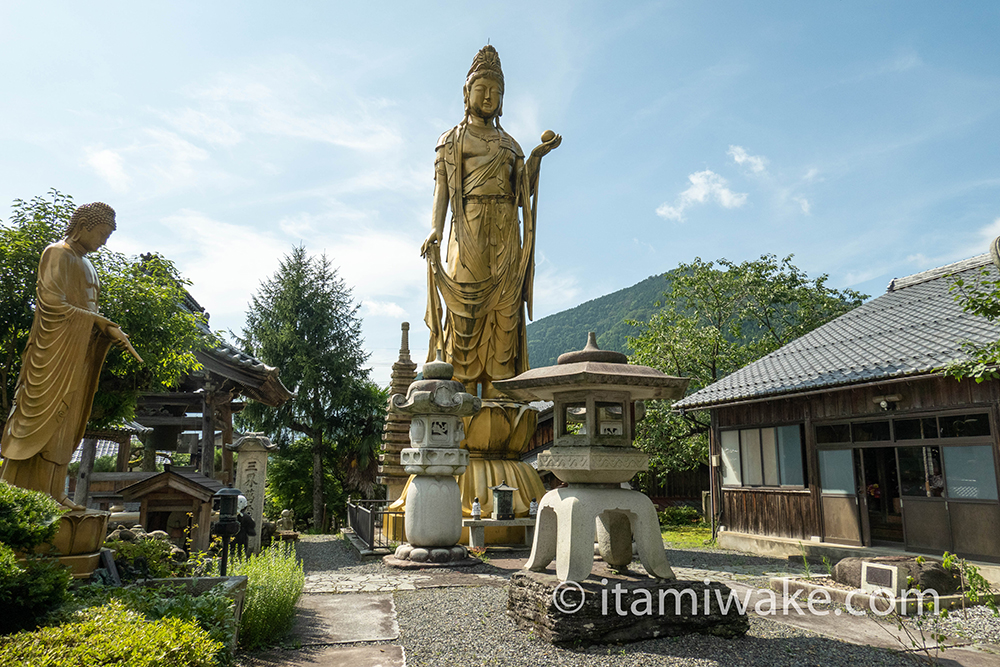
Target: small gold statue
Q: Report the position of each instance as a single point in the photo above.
(62, 361)
(481, 173)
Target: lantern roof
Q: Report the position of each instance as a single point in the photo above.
(593, 369)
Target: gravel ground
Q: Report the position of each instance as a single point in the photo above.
(469, 625)
(476, 631)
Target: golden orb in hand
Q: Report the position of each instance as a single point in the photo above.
(547, 136)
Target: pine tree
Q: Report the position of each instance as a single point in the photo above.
(303, 320)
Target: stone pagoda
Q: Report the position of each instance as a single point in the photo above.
(396, 434)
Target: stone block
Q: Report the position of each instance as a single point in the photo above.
(929, 574)
(593, 465)
(590, 612)
(434, 461)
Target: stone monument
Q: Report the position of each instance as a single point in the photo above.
(62, 362)
(251, 474)
(433, 516)
(595, 461)
(480, 293)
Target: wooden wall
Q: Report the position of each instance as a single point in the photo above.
(769, 512)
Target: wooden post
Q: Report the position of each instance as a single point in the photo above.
(124, 451)
(89, 451)
(208, 431)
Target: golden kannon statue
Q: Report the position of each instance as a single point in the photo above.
(479, 297)
(62, 361)
(486, 281)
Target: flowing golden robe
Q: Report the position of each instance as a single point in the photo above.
(487, 280)
(59, 373)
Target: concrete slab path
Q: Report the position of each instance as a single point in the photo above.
(335, 656)
(345, 619)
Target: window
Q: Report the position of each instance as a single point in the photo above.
(790, 455)
(836, 471)
(870, 431)
(833, 433)
(750, 457)
(731, 458)
(763, 457)
(920, 471)
(915, 429)
(969, 473)
(964, 426)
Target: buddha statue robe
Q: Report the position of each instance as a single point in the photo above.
(59, 373)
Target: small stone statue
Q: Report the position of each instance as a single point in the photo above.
(287, 521)
(477, 509)
(248, 528)
(533, 507)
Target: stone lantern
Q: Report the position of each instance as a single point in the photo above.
(594, 392)
(433, 516)
(503, 501)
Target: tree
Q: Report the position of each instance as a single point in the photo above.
(144, 296)
(715, 320)
(980, 296)
(303, 320)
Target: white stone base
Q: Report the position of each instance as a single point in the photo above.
(567, 524)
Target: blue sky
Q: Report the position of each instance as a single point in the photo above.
(861, 137)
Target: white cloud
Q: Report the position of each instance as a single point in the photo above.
(203, 126)
(383, 309)
(756, 163)
(172, 157)
(803, 204)
(705, 185)
(110, 166)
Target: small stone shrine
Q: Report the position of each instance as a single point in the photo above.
(433, 515)
(595, 458)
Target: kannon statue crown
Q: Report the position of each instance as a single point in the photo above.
(486, 63)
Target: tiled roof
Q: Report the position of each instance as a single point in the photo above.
(912, 329)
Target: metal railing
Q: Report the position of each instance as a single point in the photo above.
(375, 524)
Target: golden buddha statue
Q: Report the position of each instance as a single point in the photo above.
(62, 361)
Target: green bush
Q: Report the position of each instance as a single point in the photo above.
(29, 591)
(680, 515)
(144, 559)
(112, 635)
(27, 518)
(212, 611)
(274, 584)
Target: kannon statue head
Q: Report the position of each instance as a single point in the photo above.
(484, 73)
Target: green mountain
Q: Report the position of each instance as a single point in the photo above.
(567, 330)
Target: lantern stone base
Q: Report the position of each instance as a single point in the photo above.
(408, 557)
(613, 608)
(567, 525)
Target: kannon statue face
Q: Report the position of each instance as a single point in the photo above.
(485, 97)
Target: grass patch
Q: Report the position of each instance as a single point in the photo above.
(274, 583)
(688, 537)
